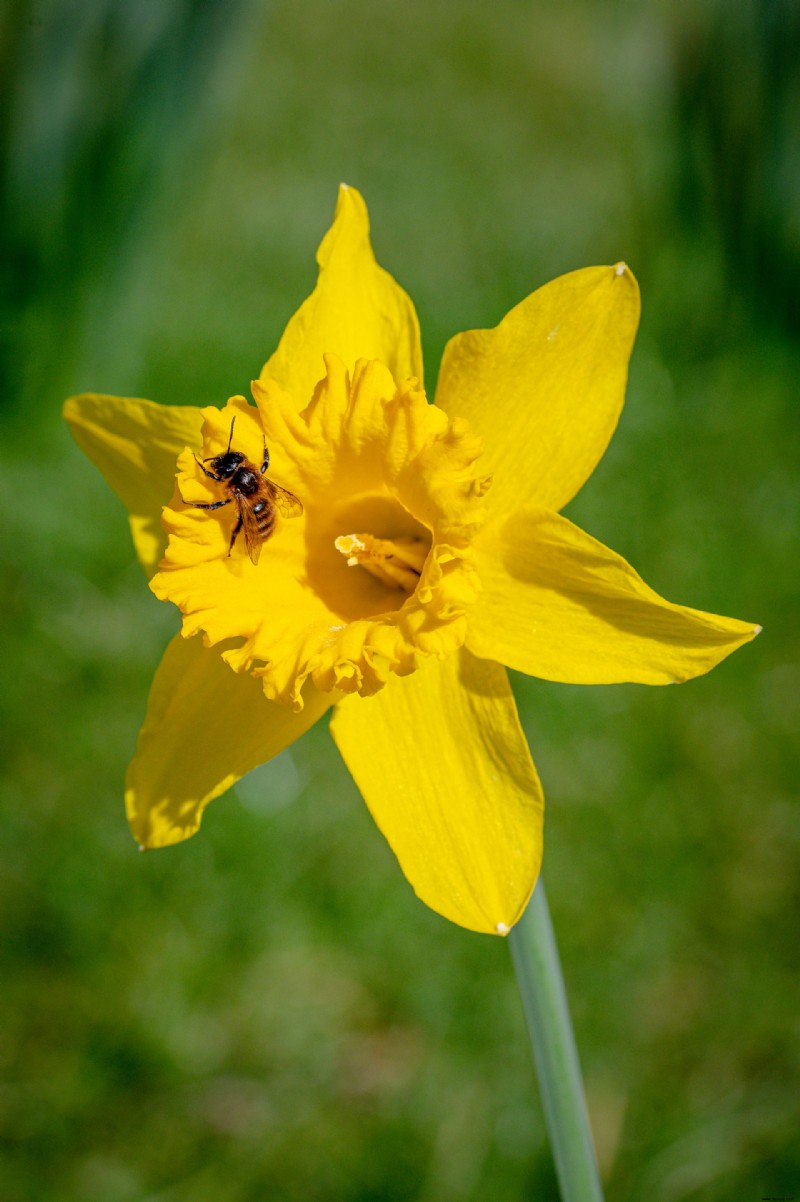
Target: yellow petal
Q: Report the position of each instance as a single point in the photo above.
(445, 769)
(558, 604)
(135, 444)
(357, 311)
(205, 727)
(544, 388)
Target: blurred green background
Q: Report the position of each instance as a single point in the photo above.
(266, 1012)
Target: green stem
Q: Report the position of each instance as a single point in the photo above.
(535, 955)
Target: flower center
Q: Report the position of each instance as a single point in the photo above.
(375, 574)
(397, 563)
(354, 594)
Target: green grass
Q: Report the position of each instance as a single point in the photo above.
(266, 1012)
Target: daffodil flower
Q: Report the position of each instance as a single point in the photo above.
(429, 556)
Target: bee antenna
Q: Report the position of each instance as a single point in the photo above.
(230, 438)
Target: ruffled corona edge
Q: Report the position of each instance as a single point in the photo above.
(373, 463)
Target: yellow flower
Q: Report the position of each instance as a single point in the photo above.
(429, 555)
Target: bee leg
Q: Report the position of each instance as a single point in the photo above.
(265, 463)
(212, 475)
(213, 505)
(235, 533)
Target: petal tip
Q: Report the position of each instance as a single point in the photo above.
(72, 409)
(351, 198)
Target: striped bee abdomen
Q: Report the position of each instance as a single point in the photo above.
(265, 516)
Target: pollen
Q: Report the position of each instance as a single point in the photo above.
(397, 562)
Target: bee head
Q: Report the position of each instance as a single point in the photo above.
(226, 464)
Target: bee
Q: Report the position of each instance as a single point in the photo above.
(258, 500)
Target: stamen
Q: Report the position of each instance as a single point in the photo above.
(396, 562)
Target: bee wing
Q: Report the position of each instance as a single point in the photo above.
(252, 535)
(285, 502)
